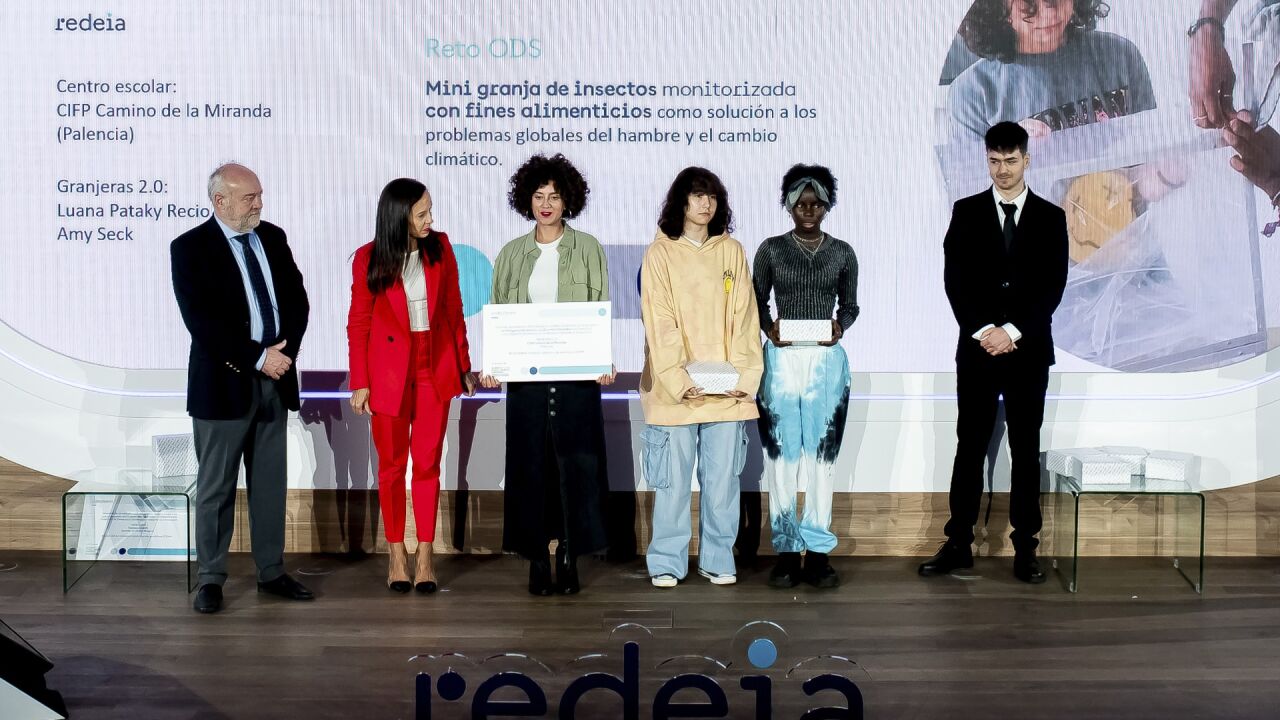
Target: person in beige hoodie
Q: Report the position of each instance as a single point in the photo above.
(697, 304)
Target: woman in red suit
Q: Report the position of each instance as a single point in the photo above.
(409, 358)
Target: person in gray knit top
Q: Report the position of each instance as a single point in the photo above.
(804, 395)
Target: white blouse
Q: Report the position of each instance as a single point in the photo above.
(415, 290)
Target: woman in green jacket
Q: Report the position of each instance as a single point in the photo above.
(555, 465)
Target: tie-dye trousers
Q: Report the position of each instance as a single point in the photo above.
(804, 399)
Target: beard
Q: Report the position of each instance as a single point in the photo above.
(249, 221)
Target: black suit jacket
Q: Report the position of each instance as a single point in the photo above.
(211, 297)
(988, 285)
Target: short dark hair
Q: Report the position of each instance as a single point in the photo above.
(1006, 137)
(987, 32)
(689, 181)
(818, 172)
(540, 170)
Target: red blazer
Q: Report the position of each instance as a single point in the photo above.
(378, 332)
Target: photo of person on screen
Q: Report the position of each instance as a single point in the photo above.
(1045, 66)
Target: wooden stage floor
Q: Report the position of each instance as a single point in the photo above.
(1136, 642)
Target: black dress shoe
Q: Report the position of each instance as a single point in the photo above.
(786, 573)
(1027, 569)
(540, 577)
(208, 599)
(566, 572)
(818, 571)
(949, 557)
(286, 587)
(399, 586)
(426, 587)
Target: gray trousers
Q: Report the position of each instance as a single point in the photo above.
(258, 438)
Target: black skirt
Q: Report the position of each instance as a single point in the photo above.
(556, 474)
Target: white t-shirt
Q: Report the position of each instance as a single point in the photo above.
(544, 282)
(415, 290)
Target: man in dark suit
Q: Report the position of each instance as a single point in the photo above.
(1006, 267)
(242, 299)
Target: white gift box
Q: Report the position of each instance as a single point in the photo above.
(804, 332)
(1173, 466)
(1135, 455)
(1062, 462)
(1091, 466)
(1100, 468)
(173, 455)
(714, 377)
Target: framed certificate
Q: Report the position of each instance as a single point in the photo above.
(546, 342)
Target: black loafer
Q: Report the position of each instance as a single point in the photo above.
(818, 571)
(1027, 569)
(785, 574)
(286, 587)
(208, 599)
(949, 557)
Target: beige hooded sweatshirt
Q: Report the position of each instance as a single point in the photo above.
(697, 303)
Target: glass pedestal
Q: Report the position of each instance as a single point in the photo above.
(1179, 523)
(127, 515)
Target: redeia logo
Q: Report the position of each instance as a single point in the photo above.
(89, 23)
(756, 702)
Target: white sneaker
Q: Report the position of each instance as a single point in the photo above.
(718, 579)
(665, 580)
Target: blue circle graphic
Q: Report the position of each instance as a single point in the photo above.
(533, 371)
(475, 278)
(762, 653)
(451, 686)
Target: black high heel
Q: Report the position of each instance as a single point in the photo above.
(566, 571)
(540, 577)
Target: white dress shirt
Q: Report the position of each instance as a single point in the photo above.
(1014, 334)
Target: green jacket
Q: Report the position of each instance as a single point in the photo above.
(584, 273)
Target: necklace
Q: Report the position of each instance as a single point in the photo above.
(810, 246)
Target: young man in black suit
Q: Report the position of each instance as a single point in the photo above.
(1005, 270)
(242, 299)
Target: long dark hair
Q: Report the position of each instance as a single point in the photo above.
(693, 180)
(391, 234)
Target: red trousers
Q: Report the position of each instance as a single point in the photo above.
(418, 429)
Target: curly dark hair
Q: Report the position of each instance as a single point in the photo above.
(689, 181)
(987, 31)
(540, 170)
(818, 172)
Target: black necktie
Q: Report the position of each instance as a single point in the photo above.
(259, 283)
(1010, 210)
